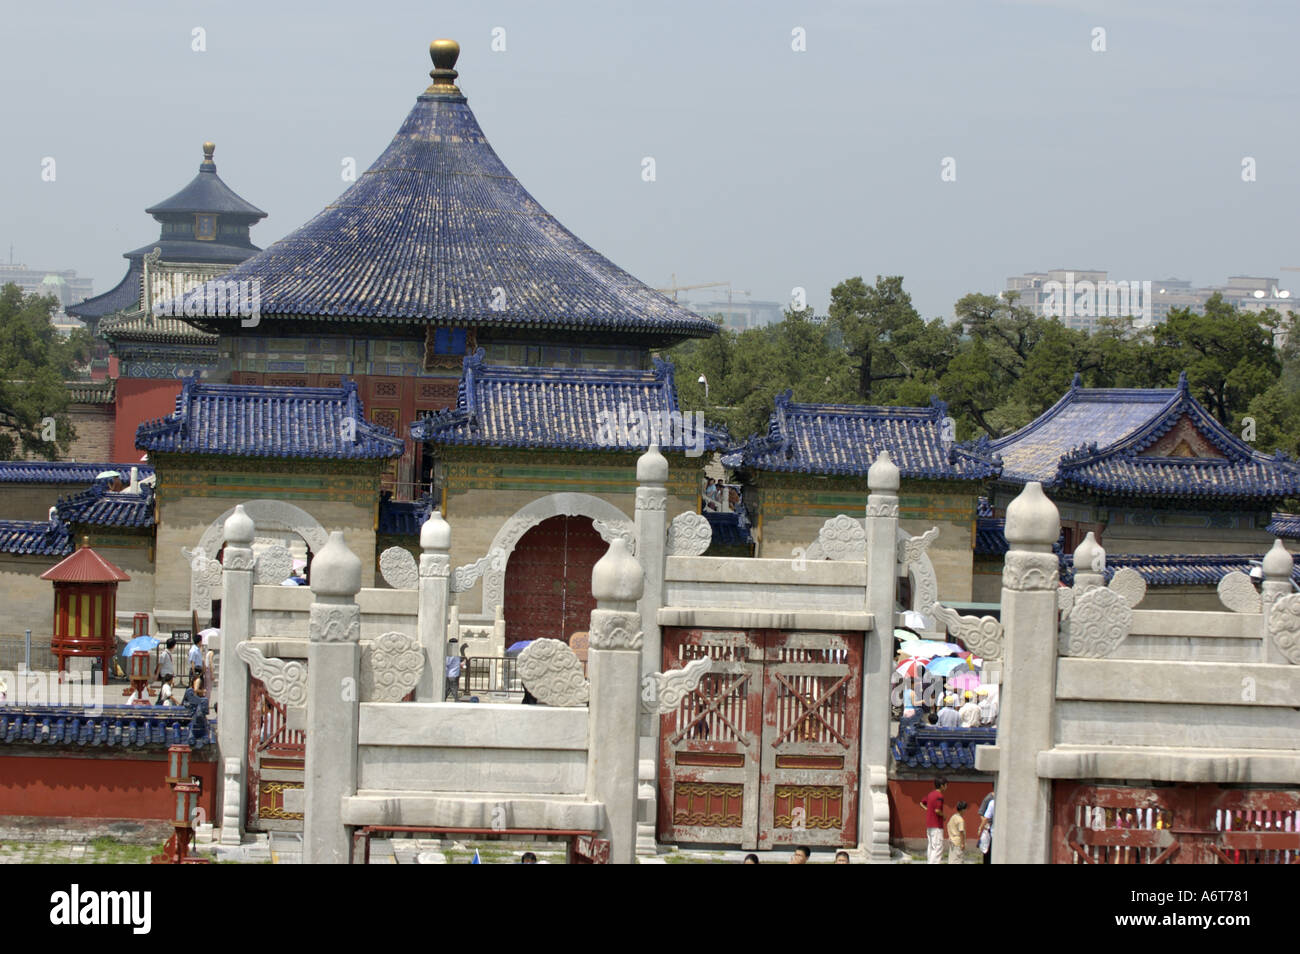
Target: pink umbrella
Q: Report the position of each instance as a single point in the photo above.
(912, 668)
(965, 680)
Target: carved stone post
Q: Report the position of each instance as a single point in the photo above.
(1089, 564)
(651, 518)
(435, 580)
(614, 664)
(1022, 814)
(878, 657)
(232, 703)
(333, 710)
(1278, 564)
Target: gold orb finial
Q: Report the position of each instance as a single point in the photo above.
(208, 149)
(444, 54)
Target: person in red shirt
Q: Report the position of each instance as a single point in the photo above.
(933, 805)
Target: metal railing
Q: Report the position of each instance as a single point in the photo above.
(489, 674)
(14, 653)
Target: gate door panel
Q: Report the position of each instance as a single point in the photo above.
(276, 760)
(812, 707)
(709, 756)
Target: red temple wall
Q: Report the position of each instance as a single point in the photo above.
(68, 786)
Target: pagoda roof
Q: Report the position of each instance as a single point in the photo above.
(157, 329)
(248, 420)
(125, 294)
(34, 537)
(62, 472)
(845, 439)
(563, 408)
(101, 507)
(1141, 442)
(1285, 525)
(206, 192)
(85, 566)
(439, 232)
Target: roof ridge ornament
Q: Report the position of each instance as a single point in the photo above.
(207, 165)
(444, 54)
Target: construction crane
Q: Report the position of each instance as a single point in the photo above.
(675, 288)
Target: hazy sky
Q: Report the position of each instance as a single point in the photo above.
(775, 168)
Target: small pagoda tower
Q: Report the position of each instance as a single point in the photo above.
(85, 607)
(204, 232)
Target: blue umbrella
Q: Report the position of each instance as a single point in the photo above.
(519, 647)
(141, 644)
(946, 666)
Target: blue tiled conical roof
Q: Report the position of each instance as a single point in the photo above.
(438, 231)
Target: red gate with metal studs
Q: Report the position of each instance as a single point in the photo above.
(1176, 824)
(765, 752)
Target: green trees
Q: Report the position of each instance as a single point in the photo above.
(998, 366)
(34, 362)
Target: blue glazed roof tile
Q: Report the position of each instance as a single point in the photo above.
(1094, 440)
(125, 294)
(256, 421)
(61, 472)
(402, 518)
(438, 231)
(111, 726)
(35, 538)
(1197, 569)
(844, 440)
(990, 536)
(728, 530)
(571, 408)
(100, 507)
(1285, 525)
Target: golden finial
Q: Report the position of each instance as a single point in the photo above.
(444, 54)
(208, 149)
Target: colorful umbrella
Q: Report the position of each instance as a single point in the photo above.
(928, 647)
(141, 644)
(948, 665)
(911, 668)
(965, 680)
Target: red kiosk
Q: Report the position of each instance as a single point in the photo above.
(85, 607)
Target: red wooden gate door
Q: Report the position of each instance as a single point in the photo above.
(1176, 824)
(765, 752)
(710, 745)
(812, 707)
(548, 580)
(276, 761)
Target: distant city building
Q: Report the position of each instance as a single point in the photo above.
(1080, 297)
(63, 284)
(740, 315)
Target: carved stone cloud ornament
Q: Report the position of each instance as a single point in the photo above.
(663, 692)
(285, 679)
(1284, 626)
(391, 667)
(1099, 621)
(689, 534)
(551, 671)
(981, 635)
(399, 569)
